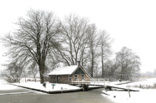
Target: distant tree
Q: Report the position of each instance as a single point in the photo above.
(108, 69)
(33, 70)
(34, 39)
(25, 74)
(92, 46)
(104, 44)
(13, 72)
(128, 63)
(154, 72)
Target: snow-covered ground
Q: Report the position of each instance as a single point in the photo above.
(6, 86)
(106, 82)
(49, 86)
(143, 96)
(147, 83)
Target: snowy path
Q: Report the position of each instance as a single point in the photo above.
(6, 86)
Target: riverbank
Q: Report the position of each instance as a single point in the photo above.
(143, 96)
(91, 96)
(52, 88)
(146, 94)
(48, 87)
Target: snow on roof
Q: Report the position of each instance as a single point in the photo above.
(67, 70)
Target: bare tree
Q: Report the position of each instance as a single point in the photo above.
(33, 70)
(104, 44)
(34, 39)
(13, 72)
(154, 72)
(128, 63)
(74, 40)
(92, 45)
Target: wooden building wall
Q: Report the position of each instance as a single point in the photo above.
(59, 79)
(66, 78)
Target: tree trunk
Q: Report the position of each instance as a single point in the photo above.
(35, 78)
(42, 70)
(92, 63)
(102, 62)
(41, 75)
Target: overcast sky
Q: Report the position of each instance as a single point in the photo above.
(130, 23)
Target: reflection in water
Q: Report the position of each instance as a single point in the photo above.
(92, 96)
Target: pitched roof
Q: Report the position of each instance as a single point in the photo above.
(67, 70)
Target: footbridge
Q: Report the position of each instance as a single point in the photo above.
(103, 84)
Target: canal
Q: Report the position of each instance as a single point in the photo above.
(92, 96)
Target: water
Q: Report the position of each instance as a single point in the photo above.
(92, 96)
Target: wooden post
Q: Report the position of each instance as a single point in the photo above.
(129, 93)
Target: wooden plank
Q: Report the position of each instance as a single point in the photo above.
(103, 85)
(126, 89)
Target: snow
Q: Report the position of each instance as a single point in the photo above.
(6, 86)
(147, 83)
(143, 96)
(10, 93)
(50, 87)
(113, 84)
(67, 70)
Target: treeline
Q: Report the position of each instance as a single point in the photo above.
(42, 42)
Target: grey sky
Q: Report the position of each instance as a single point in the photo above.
(130, 23)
